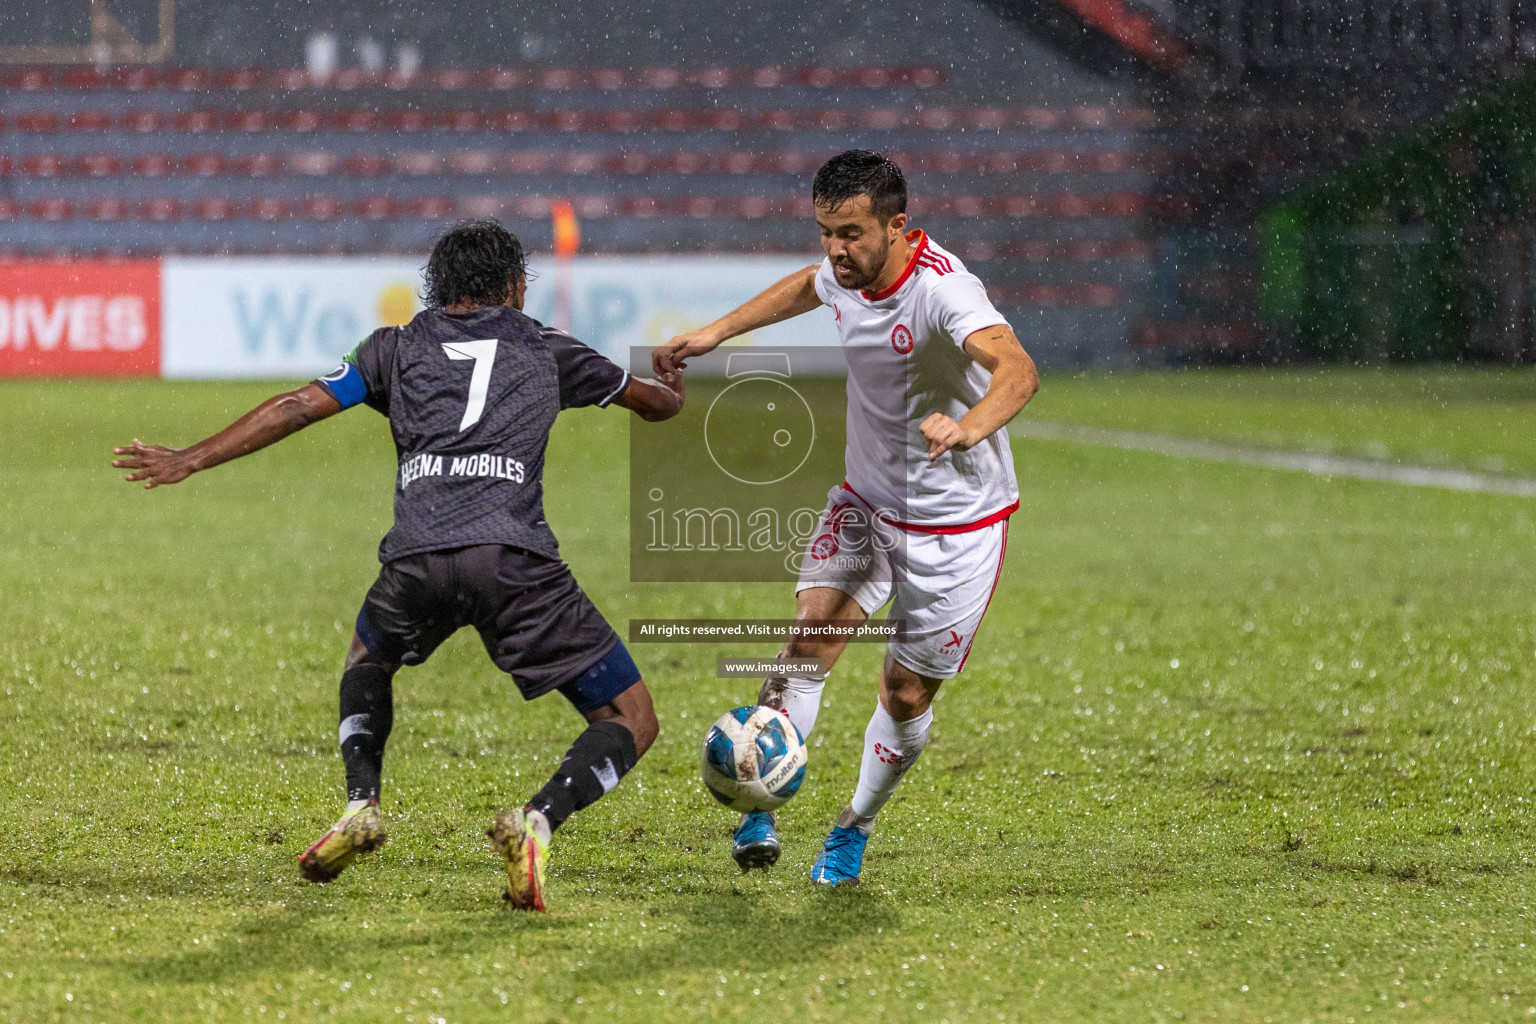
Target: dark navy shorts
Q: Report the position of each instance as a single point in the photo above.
(535, 621)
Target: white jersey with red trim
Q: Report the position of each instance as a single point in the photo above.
(905, 362)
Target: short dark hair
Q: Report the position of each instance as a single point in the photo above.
(475, 261)
(858, 172)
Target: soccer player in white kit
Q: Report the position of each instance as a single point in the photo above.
(934, 375)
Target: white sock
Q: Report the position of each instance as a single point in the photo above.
(800, 697)
(802, 700)
(355, 805)
(890, 748)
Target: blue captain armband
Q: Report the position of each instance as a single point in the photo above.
(345, 384)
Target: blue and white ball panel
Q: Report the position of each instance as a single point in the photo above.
(753, 759)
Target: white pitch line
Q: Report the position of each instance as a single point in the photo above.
(1304, 462)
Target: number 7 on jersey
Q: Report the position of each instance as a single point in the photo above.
(484, 355)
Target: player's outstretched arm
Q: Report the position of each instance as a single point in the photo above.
(790, 297)
(268, 423)
(1014, 383)
(654, 400)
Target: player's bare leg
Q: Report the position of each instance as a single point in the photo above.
(756, 841)
(617, 735)
(800, 696)
(367, 716)
(896, 735)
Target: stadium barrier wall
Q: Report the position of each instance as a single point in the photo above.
(225, 319)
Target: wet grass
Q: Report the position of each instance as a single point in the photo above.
(1234, 745)
(1475, 418)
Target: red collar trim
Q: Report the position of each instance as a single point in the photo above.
(921, 241)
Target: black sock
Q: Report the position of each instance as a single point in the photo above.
(367, 716)
(599, 758)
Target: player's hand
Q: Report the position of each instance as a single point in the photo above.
(673, 382)
(672, 356)
(944, 434)
(154, 464)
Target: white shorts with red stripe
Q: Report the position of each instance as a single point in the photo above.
(938, 583)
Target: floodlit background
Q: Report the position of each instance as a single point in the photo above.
(1249, 733)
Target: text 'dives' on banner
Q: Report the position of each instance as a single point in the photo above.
(85, 318)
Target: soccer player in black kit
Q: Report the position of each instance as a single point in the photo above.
(471, 387)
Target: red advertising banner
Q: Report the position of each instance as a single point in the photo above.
(87, 318)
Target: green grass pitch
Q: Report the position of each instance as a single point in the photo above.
(1233, 745)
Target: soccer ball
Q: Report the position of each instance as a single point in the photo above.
(753, 759)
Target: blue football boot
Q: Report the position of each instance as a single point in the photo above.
(756, 843)
(841, 857)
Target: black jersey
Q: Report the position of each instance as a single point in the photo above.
(471, 398)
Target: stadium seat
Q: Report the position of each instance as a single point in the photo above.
(528, 161)
(44, 165)
(7, 165)
(408, 120)
(724, 119)
(510, 121)
(375, 208)
(474, 161)
(593, 206)
(1124, 204)
(52, 208)
(289, 79)
(365, 165)
(431, 208)
(313, 163)
(268, 208)
(738, 162)
(99, 165)
(300, 121)
(107, 208)
(661, 78)
(629, 162)
(454, 78)
(620, 122)
(10, 209)
(37, 122)
(607, 79)
(145, 121)
(240, 79)
(490, 206)
(159, 208)
(360, 120)
(419, 162)
(196, 122)
(753, 207)
(26, 79)
(81, 78)
(557, 79)
(136, 79)
(259, 165)
(204, 165)
(90, 121)
(566, 120)
(214, 208)
(154, 165)
(248, 121)
(188, 79)
(582, 162)
(322, 208)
